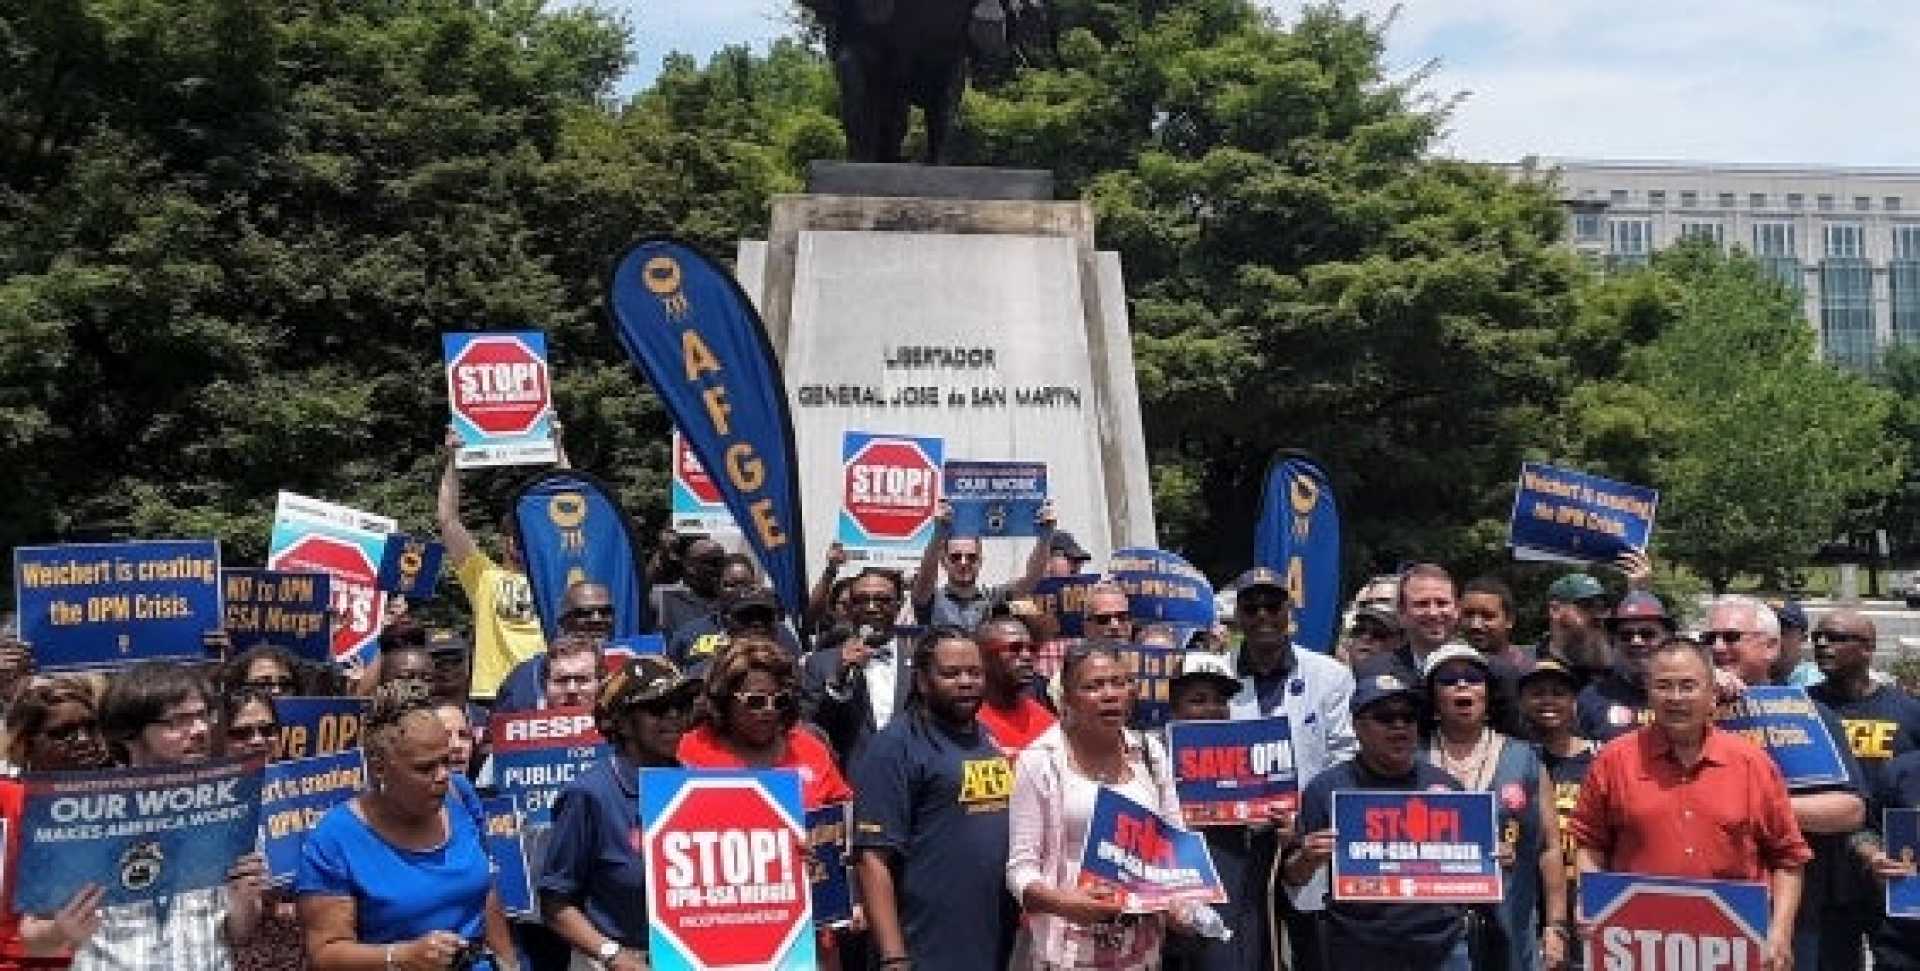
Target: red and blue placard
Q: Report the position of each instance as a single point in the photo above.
(1900, 829)
(727, 880)
(103, 604)
(536, 753)
(501, 395)
(1415, 847)
(1231, 773)
(1643, 923)
(1141, 861)
(1782, 720)
(889, 492)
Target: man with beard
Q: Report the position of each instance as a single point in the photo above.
(1616, 702)
(744, 607)
(1378, 937)
(930, 822)
(1010, 713)
(859, 678)
(1577, 612)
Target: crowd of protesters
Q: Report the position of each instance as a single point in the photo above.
(971, 739)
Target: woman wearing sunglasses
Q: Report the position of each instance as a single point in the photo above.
(752, 721)
(265, 668)
(249, 727)
(1465, 745)
(593, 889)
(51, 727)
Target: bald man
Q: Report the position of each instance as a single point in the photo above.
(1880, 721)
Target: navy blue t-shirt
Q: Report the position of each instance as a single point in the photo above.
(1610, 707)
(593, 851)
(1896, 941)
(934, 798)
(1884, 724)
(1416, 935)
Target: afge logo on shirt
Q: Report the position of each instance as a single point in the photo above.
(1871, 738)
(986, 784)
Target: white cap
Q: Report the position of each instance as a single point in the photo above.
(1454, 651)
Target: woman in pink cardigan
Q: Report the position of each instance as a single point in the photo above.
(1054, 786)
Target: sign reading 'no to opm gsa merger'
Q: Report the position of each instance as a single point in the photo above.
(100, 604)
(1573, 517)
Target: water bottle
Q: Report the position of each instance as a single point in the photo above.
(1206, 922)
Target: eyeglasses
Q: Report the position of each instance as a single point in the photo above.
(248, 733)
(963, 557)
(665, 707)
(871, 600)
(1119, 617)
(764, 700)
(1457, 679)
(270, 685)
(1396, 716)
(181, 721)
(1821, 638)
(598, 613)
(70, 732)
(1262, 607)
(1708, 637)
(573, 681)
(1632, 634)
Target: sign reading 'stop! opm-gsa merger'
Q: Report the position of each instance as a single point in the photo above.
(98, 604)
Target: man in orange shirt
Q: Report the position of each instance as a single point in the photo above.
(1682, 798)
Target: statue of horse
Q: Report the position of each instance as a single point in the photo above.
(894, 55)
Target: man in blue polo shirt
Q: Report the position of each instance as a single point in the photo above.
(930, 822)
(1378, 937)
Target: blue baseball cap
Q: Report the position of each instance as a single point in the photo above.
(1792, 616)
(1380, 687)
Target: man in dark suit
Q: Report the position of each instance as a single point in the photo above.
(858, 679)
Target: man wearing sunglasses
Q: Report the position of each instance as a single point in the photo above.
(1615, 703)
(586, 612)
(1375, 937)
(743, 608)
(1880, 721)
(962, 602)
(1744, 635)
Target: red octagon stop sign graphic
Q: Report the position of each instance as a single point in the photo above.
(1662, 928)
(499, 385)
(357, 603)
(891, 488)
(693, 474)
(726, 875)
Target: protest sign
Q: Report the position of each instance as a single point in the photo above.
(501, 397)
(995, 499)
(410, 566)
(1143, 862)
(1643, 923)
(317, 726)
(347, 545)
(890, 489)
(138, 833)
(1233, 772)
(1784, 721)
(1900, 828)
(1065, 600)
(727, 882)
(1298, 537)
(827, 869)
(294, 796)
(506, 849)
(698, 506)
(1152, 669)
(1423, 847)
(1573, 517)
(536, 753)
(100, 604)
(288, 610)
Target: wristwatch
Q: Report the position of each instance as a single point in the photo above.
(609, 949)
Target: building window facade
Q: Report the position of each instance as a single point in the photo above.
(1713, 232)
(1689, 199)
(1846, 298)
(1757, 200)
(1586, 227)
(1629, 242)
(1773, 247)
(1845, 241)
(1903, 284)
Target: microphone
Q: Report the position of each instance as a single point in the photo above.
(871, 636)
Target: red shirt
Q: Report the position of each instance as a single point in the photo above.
(1013, 729)
(13, 951)
(1727, 818)
(821, 783)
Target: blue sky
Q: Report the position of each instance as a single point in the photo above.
(1818, 81)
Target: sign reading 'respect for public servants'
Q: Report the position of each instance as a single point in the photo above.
(101, 604)
(1568, 516)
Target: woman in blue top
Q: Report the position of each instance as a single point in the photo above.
(397, 878)
(593, 889)
(1466, 746)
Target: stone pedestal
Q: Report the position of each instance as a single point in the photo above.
(993, 323)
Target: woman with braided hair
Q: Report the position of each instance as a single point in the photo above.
(397, 878)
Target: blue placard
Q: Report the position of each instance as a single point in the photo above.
(1783, 720)
(890, 489)
(1233, 772)
(294, 796)
(507, 850)
(1153, 670)
(1643, 923)
(995, 499)
(1560, 514)
(1163, 588)
(827, 870)
(138, 833)
(288, 610)
(1136, 858)
(101, 604)
(1420, 847)
(1299, 538)
(311, 727)
(537, 753)
(1065, 600)
(410, 566)
(1900, 829)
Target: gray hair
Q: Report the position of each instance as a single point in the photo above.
(1759, 614)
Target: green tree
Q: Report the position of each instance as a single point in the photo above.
(1759, 449)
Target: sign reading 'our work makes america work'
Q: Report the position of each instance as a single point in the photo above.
(92, 605)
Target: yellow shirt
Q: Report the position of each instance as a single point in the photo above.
(506, 630)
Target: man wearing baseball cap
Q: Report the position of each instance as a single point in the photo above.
(1577, 611)
(1615, 702)
(1386, 713)
(1274, 677)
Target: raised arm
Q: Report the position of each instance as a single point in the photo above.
(928, 575)
(1042, 551)
(453, 533)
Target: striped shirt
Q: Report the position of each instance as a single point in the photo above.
(189, 931)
